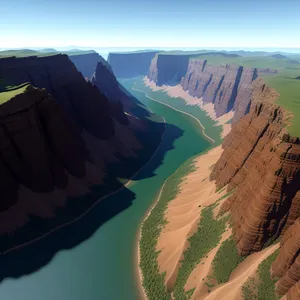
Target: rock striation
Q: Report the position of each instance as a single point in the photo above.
(287, 264)
(228, 87)
(130, 64)
(262, 163)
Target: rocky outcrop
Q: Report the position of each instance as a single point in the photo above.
(168, 68)
(86, 63)
(262, 163)
(130, 64)
(228, 87)
(286, 267)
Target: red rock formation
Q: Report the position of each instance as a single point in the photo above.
(287, 264)
(262, 163)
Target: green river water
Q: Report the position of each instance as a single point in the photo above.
(103, 267)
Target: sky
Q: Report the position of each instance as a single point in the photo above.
(150, 24)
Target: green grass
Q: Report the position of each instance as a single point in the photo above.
(10, 92)
(266, 286)
(207, 236)
(289, 89)
(190, 293)
(153, 282)
(249, 289)
(226, 260)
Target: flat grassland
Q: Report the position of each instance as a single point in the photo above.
(285, 82)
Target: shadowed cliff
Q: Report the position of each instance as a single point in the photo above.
(63, 146)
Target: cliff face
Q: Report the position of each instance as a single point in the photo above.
(43, 159)
(262, 163)
(226, 86)
(168, 68)
(130, 64)
(86, 63)
(82, 102)
(287, 264)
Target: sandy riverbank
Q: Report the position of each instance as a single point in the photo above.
(183, 214)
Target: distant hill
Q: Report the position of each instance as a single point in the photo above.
(47, 50)
(278, 56)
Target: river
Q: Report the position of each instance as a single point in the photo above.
(103, 267)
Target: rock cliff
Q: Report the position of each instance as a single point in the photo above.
(61, 140)
(287, 264)
(130, 64)
(43, 159)
(262, 163)
(82, 102)
(228, 87)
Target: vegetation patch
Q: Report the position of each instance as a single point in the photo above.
(266, 286)
(226, 260)
(190, 293)
(205, 239)
(153, 281)
(8, 92)
(249, 289)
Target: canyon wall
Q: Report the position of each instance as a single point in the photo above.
(61, 140)
(228, 87)
(261, 163)
(132, 64)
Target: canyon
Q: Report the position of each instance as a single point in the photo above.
(83, 131)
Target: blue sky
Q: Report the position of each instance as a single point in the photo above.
(155, 23)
